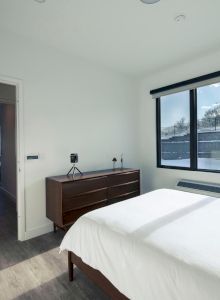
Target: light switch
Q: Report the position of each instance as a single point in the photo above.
(32, 156)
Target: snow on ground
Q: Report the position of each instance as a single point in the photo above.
(203, 163)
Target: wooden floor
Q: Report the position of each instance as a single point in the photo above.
(34, 269)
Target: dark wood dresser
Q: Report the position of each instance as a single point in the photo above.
(68, 197)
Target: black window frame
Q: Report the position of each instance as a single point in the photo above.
(193, 133)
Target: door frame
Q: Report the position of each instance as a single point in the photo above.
(21, 212)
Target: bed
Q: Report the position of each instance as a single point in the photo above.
(162, 245)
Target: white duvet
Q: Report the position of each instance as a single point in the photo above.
(163, 245)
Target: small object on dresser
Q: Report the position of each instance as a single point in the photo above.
(122, 161)
(74, 159)
(114, 160)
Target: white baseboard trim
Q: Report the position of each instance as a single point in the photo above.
(34, 232)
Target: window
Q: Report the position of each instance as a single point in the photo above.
(175, 130)
(188, 127)
(208, 127)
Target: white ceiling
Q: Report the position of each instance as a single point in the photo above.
(126, 35)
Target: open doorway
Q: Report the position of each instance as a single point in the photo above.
(8, 174)
(12, 205)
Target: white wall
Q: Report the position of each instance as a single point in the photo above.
(70, 106)
(153, 177)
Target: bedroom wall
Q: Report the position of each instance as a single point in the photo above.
(153, 177)
(70, 105)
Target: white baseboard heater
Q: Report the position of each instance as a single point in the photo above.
(199, 186)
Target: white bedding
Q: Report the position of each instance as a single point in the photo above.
(163, 245)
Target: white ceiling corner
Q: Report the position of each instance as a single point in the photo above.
(126, 35)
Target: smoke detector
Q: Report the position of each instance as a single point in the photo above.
(149, 1)
(40, 1)
(180, 18)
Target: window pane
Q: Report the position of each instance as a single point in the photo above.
(175, 130)
(208, 126)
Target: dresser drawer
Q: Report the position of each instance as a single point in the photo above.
(74, 188)
(122, 178)
(122, 190)
(71, 216)
(85, 199)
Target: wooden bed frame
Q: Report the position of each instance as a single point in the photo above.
(96, 276)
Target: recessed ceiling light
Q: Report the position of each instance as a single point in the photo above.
(40, 1)
(180, 18)
(149, 1)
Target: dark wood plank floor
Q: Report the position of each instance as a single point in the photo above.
(34, 269)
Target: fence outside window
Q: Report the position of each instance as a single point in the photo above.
(203, 125)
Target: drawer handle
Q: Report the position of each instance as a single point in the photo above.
(128, 173)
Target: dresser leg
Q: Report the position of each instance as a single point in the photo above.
(54, 228)
(70, 267)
